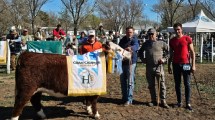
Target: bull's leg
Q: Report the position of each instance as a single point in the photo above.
(36, 103)
(20, 100)
(89, 105)
(94, 106)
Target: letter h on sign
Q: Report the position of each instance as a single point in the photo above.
(88, 79)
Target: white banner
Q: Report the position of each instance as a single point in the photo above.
(87, 74)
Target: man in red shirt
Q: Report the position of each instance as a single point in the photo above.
(181, 50)
(58, 33)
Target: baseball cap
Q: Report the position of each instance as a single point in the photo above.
(91, 32)
(151, 30)
(25, 30)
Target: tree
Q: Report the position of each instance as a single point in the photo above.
(170, 11)
(194, 5)
(65, 19)
(79, 10)
(91, 22)
(34, 7)
(208, 5)
(119, 13)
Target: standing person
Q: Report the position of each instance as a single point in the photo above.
(39, 35)
(58, 33)
(127, 78)
(110, 36)
(24, 38)
(116, 38)
(15, 47)
(154, 68)
(180, 47)
(100, 33)
(82, 38)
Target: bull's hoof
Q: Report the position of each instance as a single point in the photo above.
(41, 114)
(89, 110)
(97, 116)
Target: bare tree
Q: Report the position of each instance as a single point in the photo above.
(114, 13)
(170, 11)
(193, 4)
(79, 9)
(119, 13)
(135, 8)
(34, 6)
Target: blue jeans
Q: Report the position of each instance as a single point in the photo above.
(177, 71)
(127, 79)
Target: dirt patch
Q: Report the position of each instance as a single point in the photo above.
(110, 106)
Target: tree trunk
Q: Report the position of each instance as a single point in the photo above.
(32, 25)
(75, 30)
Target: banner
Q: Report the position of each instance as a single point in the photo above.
(45, 46)
(3, 52)
(87, 74)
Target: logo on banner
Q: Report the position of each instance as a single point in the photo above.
(87, 77)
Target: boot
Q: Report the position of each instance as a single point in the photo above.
(164, 104)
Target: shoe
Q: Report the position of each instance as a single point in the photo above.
(127, 103)
(151, 104)
(178, 105)
(165, 105)
(188, 107)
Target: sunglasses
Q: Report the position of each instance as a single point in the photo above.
(151, 33)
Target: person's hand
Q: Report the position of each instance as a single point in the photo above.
(193, 69)
(161, 61)
(170, 70)
(128, 49)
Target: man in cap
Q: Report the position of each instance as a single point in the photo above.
(91, 44)
(24, 38)
(100, 33)
(39, 35)
(154, 68)
(15, 46)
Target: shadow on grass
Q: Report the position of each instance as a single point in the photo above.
(118, 101)
(51, 113)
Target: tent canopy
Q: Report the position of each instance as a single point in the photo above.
(201, 23)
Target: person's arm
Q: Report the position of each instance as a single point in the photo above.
(192, 53)
(170, 60)
(135, 46)
(166, 54)
(140, 53)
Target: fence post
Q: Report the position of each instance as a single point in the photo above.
(8, 57)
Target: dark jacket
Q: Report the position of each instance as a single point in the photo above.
(130, 42)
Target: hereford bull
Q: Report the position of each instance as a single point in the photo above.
(37, 73)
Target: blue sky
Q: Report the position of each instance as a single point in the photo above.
(56, 6)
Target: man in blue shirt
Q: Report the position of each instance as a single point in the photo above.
(127, 78)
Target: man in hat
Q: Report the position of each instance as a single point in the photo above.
(15, 46)
(24, 38)
(40, 35)
(91, 44)
(100, 33)
(154, 68)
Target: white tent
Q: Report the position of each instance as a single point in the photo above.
(201, 23)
